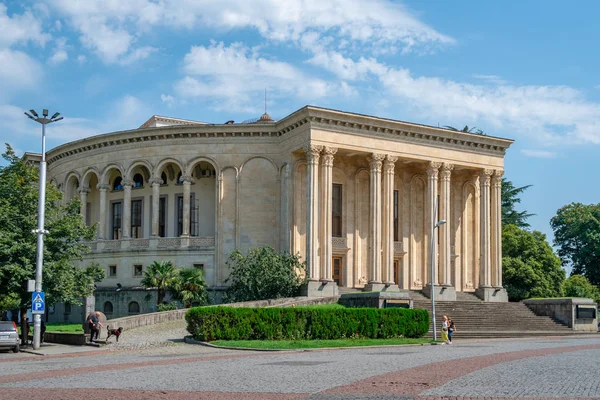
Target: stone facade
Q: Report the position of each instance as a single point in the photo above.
(353, 195)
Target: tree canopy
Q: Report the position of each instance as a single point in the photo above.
(159, 275)
(264, 274)
(530, 267)
(579, 286)
(63, 280)
(577, 235)
(466, 129)
(510, 198)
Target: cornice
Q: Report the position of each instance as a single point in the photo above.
(315, 117)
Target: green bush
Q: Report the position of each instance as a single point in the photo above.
(227, 323)
(167, 306)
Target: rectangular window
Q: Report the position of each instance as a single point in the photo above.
(192, 228)
(336, 211)
(116, 220)
(136, 219)
(112, 270)
(88, 214)
(138, 270)
(199, 266)
(162, 217)
(396, 219)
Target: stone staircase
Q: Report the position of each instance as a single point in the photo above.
(477, 319)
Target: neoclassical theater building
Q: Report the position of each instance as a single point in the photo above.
(355, 196)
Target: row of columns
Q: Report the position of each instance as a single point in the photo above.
(381, 245)
(127, 185)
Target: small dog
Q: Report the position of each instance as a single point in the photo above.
(114, 332)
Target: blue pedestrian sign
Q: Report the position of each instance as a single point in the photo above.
(38, 304)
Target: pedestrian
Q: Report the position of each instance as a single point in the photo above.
(444, 329)
(42, 331)
(451, 329)
(95, 325)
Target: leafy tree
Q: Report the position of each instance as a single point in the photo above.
(579, 286)
(263, 274)
(63, 280)
(577, 235)
(190, 288)
(530, 267)
(510, 198)
(159, 275)
(466, 129)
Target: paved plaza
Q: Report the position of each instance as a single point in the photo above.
(564, 367)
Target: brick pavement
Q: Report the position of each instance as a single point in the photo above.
(533, 368)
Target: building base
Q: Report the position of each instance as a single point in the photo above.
(319, 289)
(442, 292)
(374, 287)
(492, 294)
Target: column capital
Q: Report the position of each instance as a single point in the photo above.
(497, 177)
(389, 164)
(187, 179)
(446, 170)
(312, 151)
(85, 190)
(102, 186)
(375, 161)
(329, 151)
(485, 176)
(433, 169)
(155, 181)
(127, 183)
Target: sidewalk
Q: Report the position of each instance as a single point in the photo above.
(50, 349)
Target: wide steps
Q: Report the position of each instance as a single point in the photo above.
(476, 319)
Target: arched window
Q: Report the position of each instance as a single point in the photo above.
(179, 180)
(108, 308)
(163, 176)
(134, 307)
(117, 183)
(138, 180)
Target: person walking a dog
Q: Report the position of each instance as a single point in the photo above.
(95, 325)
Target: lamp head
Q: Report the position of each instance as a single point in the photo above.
(441, 222)
(29, 115)
(33, 112)
(56, 114)
(45, 112)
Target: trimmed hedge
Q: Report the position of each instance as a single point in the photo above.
(227, 323)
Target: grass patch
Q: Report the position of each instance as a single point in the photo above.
(65, 328)
(316, 344)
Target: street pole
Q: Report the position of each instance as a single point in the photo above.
(40, 231)
(434, 225)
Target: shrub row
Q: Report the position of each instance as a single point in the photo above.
(226, 323)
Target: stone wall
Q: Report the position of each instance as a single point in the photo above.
(565, 311)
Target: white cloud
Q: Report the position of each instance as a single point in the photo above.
(20, 29)
(548, 113)
(111, 28)
(167, 99)
(538, 153)
(58, 57)
(18, 71)
(137, 54)
(494, 79)
(81, 59)
(235, 76)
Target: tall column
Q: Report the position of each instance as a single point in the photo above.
(388, 222)
(432, 216)
(187, 184)
(326, 213)
(375, 162)
(83, 193)
(156, 182)
(312, 212)
(496, 228)
(127, 185)
(102, 187)
(445, 208)
(485, 258)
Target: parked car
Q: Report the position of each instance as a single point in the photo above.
(9, 336)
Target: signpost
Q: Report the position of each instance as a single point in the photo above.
(38, 303)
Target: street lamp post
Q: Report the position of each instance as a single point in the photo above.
(433, 227)
(40, 231)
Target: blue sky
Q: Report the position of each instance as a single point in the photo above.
(525, 70)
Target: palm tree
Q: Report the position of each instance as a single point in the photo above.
(466, 129)
(159, 275)
(190, 288)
